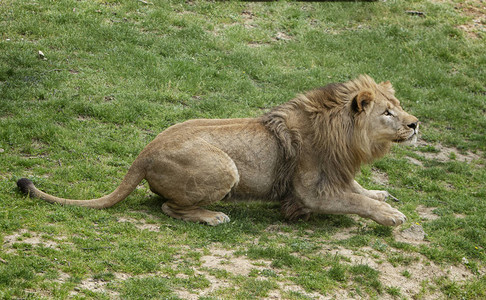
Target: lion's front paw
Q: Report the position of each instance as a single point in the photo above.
(387, 215)
(382, 195)
(378, 195)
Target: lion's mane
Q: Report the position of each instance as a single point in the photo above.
(338, 138)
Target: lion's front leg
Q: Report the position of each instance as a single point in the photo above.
(374, 194)
(366, 207)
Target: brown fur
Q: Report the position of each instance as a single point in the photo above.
(304, 153)
(336, 135)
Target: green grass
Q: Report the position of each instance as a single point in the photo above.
(118, 72)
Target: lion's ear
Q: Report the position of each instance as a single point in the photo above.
(362, 100)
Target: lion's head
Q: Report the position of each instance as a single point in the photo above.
(378, 118)
(358, 117)
(384, 120)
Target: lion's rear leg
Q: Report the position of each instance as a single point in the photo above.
(195, 214)
(191, 179)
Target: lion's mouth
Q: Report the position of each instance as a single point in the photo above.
(412, 138)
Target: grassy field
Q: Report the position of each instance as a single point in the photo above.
(116, 73)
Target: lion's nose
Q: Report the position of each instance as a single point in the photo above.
(413, 125)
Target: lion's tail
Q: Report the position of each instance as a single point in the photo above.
(135, 174)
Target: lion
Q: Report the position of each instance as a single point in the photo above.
(304, 153)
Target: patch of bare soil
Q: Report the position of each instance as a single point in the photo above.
(475, 27)
(459, 216)
(248, 19)
(418, 267)
(222, 259)
(94, 285)
(414, 235)
(225, 260)
(445, 154)
(379, 177)
(344, 233)
(426, 213)
(216, 284)
(140, 224)
(282, 36)
(475, 10)
(25, 236)
(415, 161)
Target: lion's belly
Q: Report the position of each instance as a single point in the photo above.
(256, 179)
(254, 151)
(246, 142)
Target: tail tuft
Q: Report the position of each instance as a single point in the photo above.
(24, 185)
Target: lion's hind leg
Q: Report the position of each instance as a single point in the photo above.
(193, 176)
(195, 214)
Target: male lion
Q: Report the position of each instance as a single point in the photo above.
(304, 153)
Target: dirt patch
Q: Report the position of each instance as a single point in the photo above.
(414, 235)
(248, 19)
(444, 154)
(379, 177)
(94, 285)
(344, 234)
(63, 277)
(459, 216)
(257, 44)
(83, 118)
(24, 236)
(225, 260)
(140, 224)
(426, 213)
(282, 36)
(216, 284)
(414, 161)
(408, 275)
(475, 10)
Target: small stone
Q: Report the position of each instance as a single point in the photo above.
(465, 261)
(41, 55)
(282, 37)
(2, 150)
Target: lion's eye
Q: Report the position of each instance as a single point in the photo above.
(387, 113)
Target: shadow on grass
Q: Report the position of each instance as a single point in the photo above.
(254, 216)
